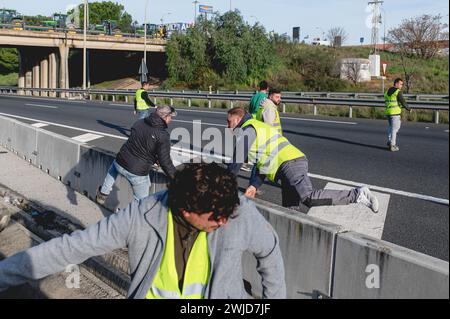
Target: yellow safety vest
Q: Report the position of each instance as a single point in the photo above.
(277, 122)
(165, 284)
(392, 106)
(270, 149)
(141, 105)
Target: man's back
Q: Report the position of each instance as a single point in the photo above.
(140, 152)
(256, 101)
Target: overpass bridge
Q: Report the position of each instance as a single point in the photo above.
(44, 56)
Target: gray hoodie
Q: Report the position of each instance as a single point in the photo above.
(142, 227)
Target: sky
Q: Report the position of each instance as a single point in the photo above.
(313, 17)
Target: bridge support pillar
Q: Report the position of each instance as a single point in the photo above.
(36, 76)
(53, 73)
(22, 71)
(64, 69)
(44, 75)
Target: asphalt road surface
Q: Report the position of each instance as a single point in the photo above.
(338, 149)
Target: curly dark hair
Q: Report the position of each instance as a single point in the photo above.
(204, 188)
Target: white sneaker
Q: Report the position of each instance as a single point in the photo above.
(367, 199)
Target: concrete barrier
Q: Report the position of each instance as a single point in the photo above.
(307, 246)
(371, 269)
(57, 155)
(19, 138)
(321, 259)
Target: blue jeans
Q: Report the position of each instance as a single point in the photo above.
(140, 184)
(143, 114)
(395, 122)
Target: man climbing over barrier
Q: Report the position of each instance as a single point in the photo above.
(149, 143)
(184, 243)
(276, 159)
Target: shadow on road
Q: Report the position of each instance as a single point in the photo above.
(122, 130)
(336, 140)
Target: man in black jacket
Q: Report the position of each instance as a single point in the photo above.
(149, 142)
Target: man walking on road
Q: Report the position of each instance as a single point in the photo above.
(394, 102)
(149, 142)
(276, 159)
(258, 98)
(184, 243)
(142, 102)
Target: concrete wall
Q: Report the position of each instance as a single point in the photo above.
(321, 260)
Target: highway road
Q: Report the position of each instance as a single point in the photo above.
(339, 150)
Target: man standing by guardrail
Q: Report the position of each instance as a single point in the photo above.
(268, 112)
(258, 98)
(394, 102)
(184, 243)
(149, 142)
(276, 159)
(142, 102)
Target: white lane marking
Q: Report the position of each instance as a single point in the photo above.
(323, 121)
(39, 125)
(383, 189)
(285, 118)
(75, 101)
(43, 99)
(112, 104)
(205, 123)
(66, 126)
(446, 131)
(355, 217)
(86, 137)
(40, 105)
(325, 178)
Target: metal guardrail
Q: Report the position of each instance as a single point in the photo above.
(434, 103)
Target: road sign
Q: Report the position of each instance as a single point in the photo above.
(143, 71)
(361, 40)
(384, 65)
(205, 9)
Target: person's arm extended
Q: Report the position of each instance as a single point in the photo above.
(242, 148)
(147, 100)
(402, 101)
(55, 255)
(264, 245)
(163, 153)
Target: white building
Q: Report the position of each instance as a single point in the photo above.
(355, 70)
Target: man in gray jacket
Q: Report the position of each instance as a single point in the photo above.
(208, 225)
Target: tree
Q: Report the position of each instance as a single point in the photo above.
(419, 36)
(352, 70)
(221, 50)
(416, 38)
(333, 35)
(107, 10)
(9, 60)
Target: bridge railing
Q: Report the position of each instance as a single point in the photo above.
(434, 103)
(69, 30)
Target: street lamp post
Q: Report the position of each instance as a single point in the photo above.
(86, 13)
(145, 32)
(195, 11)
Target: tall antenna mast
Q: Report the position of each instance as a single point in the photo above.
(376, 20)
